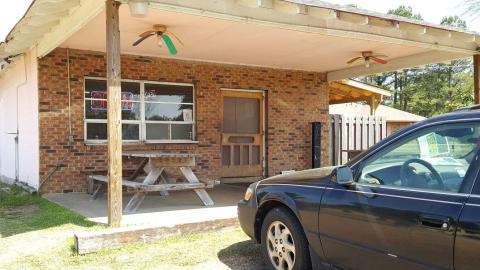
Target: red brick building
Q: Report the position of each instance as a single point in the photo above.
(293, 100)
(242, 91)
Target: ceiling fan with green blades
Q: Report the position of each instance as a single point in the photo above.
(163, 36)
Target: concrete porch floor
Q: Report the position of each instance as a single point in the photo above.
(179, 207)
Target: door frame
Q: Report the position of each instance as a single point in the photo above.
(263, 118)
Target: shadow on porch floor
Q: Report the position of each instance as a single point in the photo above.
(179, 207)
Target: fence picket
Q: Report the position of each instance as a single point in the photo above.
(344, 139)
(371, 133)
(350, 133)
(337, 137)
(364, 132)
(358, 133)
(384, 127)
(378, 129)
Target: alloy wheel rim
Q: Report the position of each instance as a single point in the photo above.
(280, 246)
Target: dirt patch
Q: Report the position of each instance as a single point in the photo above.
(25, 210)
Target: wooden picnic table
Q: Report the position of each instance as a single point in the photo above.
(154, 164)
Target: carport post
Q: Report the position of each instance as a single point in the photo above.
(114, 115)
(476, 78)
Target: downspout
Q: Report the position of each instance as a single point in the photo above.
(70, 138)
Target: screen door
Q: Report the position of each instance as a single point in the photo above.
(242, 134)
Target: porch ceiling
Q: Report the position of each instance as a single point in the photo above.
(223, 41)
(307, 35)
(344, 91)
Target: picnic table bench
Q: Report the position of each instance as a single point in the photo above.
(154, 164)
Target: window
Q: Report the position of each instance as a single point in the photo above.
(151, 112)
(437, 158)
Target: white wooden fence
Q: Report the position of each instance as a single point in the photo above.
(350, 135)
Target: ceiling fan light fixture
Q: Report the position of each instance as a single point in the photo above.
(138, 8)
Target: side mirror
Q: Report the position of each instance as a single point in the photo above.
(343, 176)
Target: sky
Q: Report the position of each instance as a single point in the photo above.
(431, 10)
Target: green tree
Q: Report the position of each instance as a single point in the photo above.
(405, 11)
(453, 21)
(433, 89)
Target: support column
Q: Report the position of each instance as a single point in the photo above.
(373, 102)
(476, 78)
(114, 115)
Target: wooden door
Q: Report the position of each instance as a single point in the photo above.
(242, 134)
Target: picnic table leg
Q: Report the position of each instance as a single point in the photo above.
(192, 178)
(164, 179)
(138, 170)
(97, 191)
(148, 168)
(139, 196)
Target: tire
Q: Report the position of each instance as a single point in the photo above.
(282, 226)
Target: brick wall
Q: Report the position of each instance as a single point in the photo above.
(294, 98)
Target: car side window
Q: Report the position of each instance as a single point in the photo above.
(436, 158)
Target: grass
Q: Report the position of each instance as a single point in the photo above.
(37, 234)
(21, 212)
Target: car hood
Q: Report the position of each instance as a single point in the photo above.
(317, 173)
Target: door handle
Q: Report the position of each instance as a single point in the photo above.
(433, 221)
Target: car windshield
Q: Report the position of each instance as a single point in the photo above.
(435, 145)
(448, 150)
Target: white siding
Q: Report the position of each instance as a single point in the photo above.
(19, 111)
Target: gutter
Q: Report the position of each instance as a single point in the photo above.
(379, 15)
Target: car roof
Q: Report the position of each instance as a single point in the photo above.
(460, 114)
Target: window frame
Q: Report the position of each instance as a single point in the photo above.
(142, 122)
(468, 181)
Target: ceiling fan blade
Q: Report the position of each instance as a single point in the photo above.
(378, 60)
(355, 60)
(141, 39)
(146, 33)
(380, 56)
(171, 47)
(175, 37)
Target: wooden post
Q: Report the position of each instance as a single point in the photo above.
(114, 115)
(476, 78)
(373, 102)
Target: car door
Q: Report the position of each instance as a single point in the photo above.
(467, 240)
(403, 210)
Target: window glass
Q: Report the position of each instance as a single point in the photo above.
(182, 132)
(168, 93)
(97, 109)
(163, 105)
(98, 131)
(168, 112)
(436, 158)
(130, 132)
(94, 85)
(158, 131)
(96, 100)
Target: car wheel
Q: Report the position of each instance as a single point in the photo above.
(284, 245)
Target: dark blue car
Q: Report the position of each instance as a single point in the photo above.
(411, 201)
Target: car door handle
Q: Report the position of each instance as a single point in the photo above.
(433, 221)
